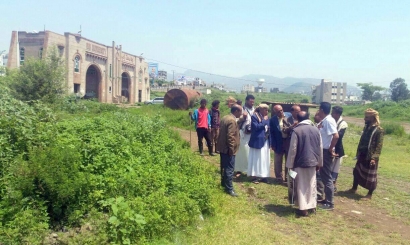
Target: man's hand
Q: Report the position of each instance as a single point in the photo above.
(372, 162)
(245, 115)
(190, 113)
(317, 168)
(332, 152)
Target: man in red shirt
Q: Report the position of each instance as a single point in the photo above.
(202, 120)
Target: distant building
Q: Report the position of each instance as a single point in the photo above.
(93, 70)
(3, 59)
(3, 62)
(274, 90)
(327, 91)
(261, 89)
(162, 75)
(248, 88)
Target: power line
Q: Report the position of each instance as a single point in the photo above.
(218, 75)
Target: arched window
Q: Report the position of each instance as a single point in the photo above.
(40, 53)
(21, 56)
(77, 64)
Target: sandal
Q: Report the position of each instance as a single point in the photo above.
(255, 181)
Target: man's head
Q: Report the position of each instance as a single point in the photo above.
(263, 109)
(203, 103)
(324, 109)
(337, 112)
(278, 111)
(215, 104)
(317, 117)
(236, 110)
(239, 102)
(294, 110)
(249, 101)
(371, 117)
(302, 115)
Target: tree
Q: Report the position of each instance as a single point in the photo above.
(39, 79)
(368, 90)
(377, 96)
(399, 90)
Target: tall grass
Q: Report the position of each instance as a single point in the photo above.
(396, 111)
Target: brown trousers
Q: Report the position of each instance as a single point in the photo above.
(214, 136)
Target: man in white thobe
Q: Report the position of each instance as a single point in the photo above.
(305, 155)
(241, 161)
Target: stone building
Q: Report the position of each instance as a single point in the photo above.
(93, 70)
(327, 91)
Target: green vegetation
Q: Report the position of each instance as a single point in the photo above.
(94, 169)
(389, 110)
(42, 80)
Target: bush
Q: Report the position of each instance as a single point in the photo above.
(393, 128)
(42, 79)
(132, 168)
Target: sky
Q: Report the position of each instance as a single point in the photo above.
(344, 41)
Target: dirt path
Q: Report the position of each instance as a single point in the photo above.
(353, 211)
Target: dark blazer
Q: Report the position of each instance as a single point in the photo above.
(258, 139)
(276, 140)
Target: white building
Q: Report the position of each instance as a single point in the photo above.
(248, 88)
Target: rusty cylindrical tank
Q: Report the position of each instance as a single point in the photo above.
(181, 99)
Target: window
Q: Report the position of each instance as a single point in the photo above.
(76, 88)
(77, 64)
(22, 56)
(40, 53)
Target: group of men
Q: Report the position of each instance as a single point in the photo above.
(312, 151)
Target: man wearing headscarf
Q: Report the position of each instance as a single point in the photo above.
(259, 153)
(368, 153)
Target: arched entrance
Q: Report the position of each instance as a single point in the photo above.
(92, 83)
(125, 85)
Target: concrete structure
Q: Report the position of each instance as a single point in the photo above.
(260, 88)
(94, 70)
(248, 88)
(3, 58)
(327, 91)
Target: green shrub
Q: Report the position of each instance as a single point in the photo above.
(393, 128)
(129, 166)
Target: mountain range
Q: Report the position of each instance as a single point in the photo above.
(286, 84)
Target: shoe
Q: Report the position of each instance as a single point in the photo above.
(256, 181)
(212, 154)
(367, 197)
(321, 201)
(327, 207)
(312, 211)
(264, 180)
(201, 154)
(302, 213)
(232, 193)
(353, 191)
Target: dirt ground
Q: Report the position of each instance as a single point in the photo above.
(356, 213)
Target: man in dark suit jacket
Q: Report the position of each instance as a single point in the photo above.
(228, 145)
(279, 140)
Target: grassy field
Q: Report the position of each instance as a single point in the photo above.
(267, 217)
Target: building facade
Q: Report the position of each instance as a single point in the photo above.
(327, 91)
(93, 70)
(248, 88)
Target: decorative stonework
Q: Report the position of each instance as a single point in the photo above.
(92, 48)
